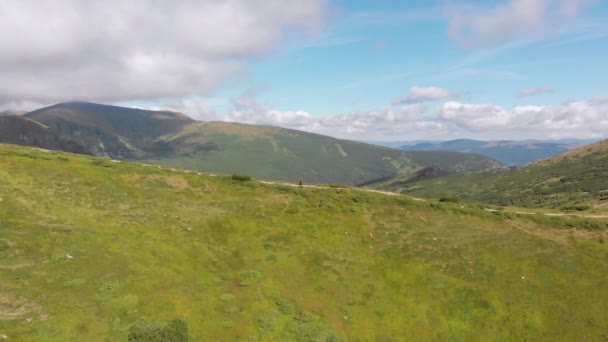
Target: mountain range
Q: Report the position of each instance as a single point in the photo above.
(264, 152)
(508, 152)
(576, 179)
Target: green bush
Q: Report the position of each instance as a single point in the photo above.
(576, 208)
(285, 307)
(155, 331)
(450, 199)
(241, 178)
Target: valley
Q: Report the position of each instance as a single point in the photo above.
(575, 180)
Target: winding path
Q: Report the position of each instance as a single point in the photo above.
(388, 193)
(548, 214)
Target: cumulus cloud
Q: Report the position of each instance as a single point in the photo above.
(196, 108)
(535, 91)
(474, 25)
(448, 120)
(139, 49)
(391, 120)
(601, 99)
(570, 119)
(422, 94)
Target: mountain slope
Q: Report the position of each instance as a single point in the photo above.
(110, 130)
(283, 154)
(513, 153)
(573, 179)
(91, 246)
(23, 131)
(263, 152)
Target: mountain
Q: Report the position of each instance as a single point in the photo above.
(98, 250)
(508, 152)
(283, 154)
(263, 152)
(23, 131)
(576, 179)
(110, 130)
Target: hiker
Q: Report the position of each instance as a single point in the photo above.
(300, 181)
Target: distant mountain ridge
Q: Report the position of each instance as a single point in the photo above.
(265, 152)
(110, 130)
(574, 179)
(508, 152)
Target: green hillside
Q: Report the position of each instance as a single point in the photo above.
(124, 133)
(574, 180)
(174, 139)
(282, 154)
(90, 247)
(24, 131)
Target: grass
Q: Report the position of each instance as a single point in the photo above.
(574, 181)
(281, 154)
(264, 152)
(90, 247)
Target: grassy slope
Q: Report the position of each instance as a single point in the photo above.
(103, 130)
(136, 125)
(87, 246)
(574, 178)
(262, 151)
(284, 154)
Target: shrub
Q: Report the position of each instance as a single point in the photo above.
(285, 307)
(155, 331)
(326, 204)
(241, 178)
(176, 331)
(576, 208)
(450, 199)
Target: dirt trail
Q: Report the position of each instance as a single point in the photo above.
(388, 193)
(329, 187)
(564, 214)
(548, 214)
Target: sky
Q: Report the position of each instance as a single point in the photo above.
(364, 70)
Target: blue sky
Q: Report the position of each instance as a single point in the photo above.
(373, 52)
(390, 70)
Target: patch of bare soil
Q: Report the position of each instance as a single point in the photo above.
(12, 307)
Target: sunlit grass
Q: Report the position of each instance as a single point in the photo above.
(89, 246)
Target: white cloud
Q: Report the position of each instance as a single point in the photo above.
(601, 99)
(582, 119)
(388, 121)
(415, 121)
(571, 119)
(139, 49)
(21, 105)
(421, 94)
(535, 91)
(198, 109)
(474, 25)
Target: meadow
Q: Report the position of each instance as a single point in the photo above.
(89, 247)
